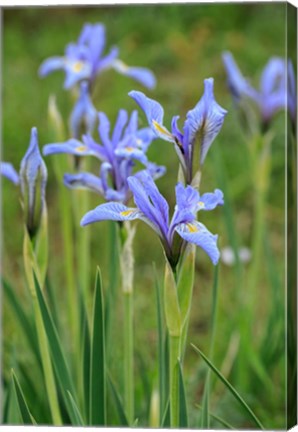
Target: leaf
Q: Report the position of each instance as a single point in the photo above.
(64, 379)
(97, 364)
(85, 355)
(118, 402)
(166, 421)
(186, 281)
(183, 420)
(24, 321)
(172, 310)
(230, 387)
(218, 419)
(76, 415)
(22, 404)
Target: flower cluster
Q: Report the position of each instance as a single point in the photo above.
(118, 153)
(85, 60)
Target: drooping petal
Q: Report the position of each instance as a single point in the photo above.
(50, 65)
(76, 70)
(237, 84)
(110, 211)
(205, 120)
(129, 152)
(209, 201)
(154, 113)
(72, 146)
(83, 180)
(195, 232)
(8, 171)
(140, 74)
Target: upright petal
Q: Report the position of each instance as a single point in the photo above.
(8, 171)
(84, 115)
(195, 232)
(205, 120)
(96, 42)
(140, 74)
(110, 211)
(273, 77)
(83, 180)
(119, 126)
(154, 113)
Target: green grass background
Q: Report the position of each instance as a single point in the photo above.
(182, 44)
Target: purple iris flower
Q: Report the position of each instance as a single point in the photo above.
(202, 123)
(292, 93)
(118, 153)
(153, 209)
(8, 171)
(271, 96)
(84, 114)
(84, 60)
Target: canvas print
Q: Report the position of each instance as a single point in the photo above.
(149, 211)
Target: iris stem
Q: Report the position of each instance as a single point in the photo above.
(128, 356)
(174, 380)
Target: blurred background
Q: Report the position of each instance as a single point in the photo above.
(182, 44)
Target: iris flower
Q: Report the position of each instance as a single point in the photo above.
(7, 170)
(202, 124)
(118, 153)
(84, 114)
(271, 95)
(153, 209)
(84, 60)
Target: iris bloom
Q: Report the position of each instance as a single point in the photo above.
(202, 124)
(84, 114)
(271, 95)
(118, 153)
(33, 179)
(84, 60)
(8, 171)
(153, 209)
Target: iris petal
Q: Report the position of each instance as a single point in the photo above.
(50, 65)
(140, 74)
(83, 180)
(110, 211)
(8, 171)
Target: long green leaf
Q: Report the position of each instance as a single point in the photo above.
(22, 404)
(97, 365)
(64, 379)
(165, 421)
(76, 415)
(230, 387)
(118, 403)
(85, 355)
(183, 419)
(24, 321)
(218, 419)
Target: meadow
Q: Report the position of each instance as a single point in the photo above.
(182, 45)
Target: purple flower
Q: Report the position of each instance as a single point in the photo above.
(118, 152)
(202, 124)
(271, 96)
(33, 179)
(84, 114)
(153, 209)
(84, 60)
(292, 93)
(8, 171)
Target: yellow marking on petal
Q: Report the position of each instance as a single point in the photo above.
(161, 129)
(201, 204)
(129, 149)
(192, 228)
(82, 148)
(126, 212)
(139, 142)
(78, 66)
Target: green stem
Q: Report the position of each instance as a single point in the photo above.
(174, 380)
(128, 356)
(83, 244)
(47, 366)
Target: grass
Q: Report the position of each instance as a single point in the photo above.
(182, 44)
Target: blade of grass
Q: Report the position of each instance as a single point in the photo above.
(230, 387)
(183, 419)
(165, 422)
(97, 364)
(118, 402)
(26, 416)
(52, 301)
(218, 419)
(85, 359)
(205, 410)
(76, 415)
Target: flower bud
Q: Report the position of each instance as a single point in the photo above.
(33, 179)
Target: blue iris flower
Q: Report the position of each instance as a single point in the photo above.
(84, 60)
(271, 95)
(84, 114)
(7, 170)
(118, 152)
(153, 209)
(202, 123)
